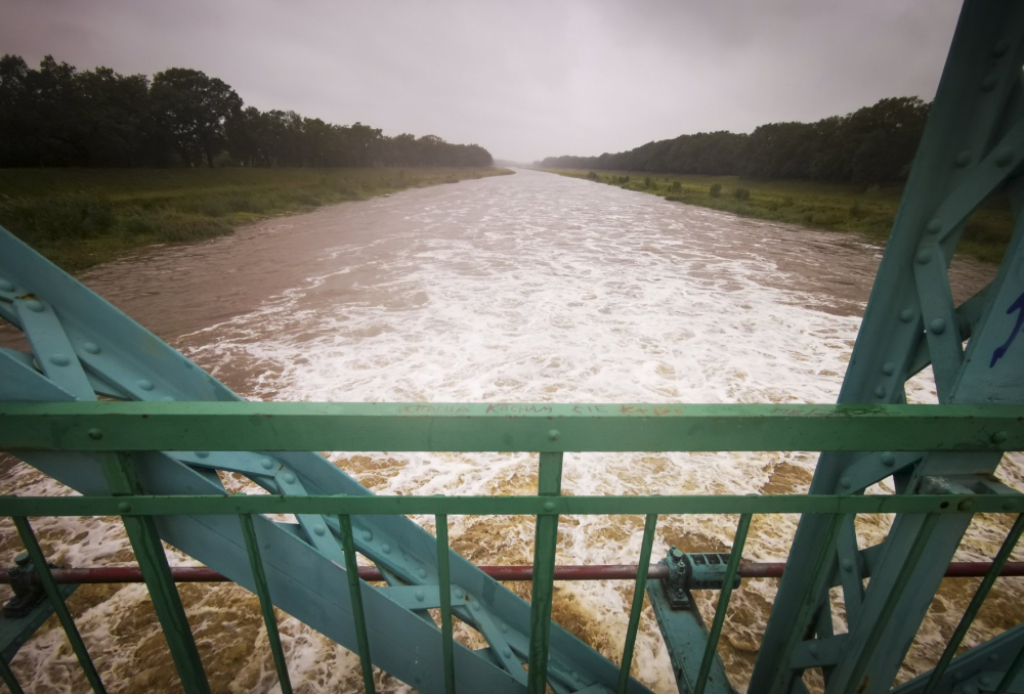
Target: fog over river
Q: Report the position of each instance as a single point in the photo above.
(524, 288)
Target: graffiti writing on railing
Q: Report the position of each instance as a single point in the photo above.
(1000, 351)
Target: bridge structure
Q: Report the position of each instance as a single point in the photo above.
(108, 409)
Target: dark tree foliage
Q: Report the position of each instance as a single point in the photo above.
(58, 116)
(875, 144)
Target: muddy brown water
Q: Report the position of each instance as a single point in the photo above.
(525, 288)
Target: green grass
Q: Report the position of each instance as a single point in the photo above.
(832, 207)
(80, 217)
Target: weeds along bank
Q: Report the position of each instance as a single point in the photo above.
(834, 207)
(82, 217)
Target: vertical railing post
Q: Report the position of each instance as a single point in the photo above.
(731, 570)
(35, 553)
(549, 483)
(445, 586)
(650, 522)
(259, 577)
(7, 675)
(119, 470)
(356, 596)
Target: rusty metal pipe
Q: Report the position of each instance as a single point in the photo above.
(189, 574)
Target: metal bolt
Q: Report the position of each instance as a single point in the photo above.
(937, 326)
(91, 347)
(458, 596)
(124, 507)
(420, 595)
(907, 315)
(888, 459)
(1000, 437)
(549, 505)
(889, 368)
(267, 463)
(813, 650)
(6, 285)
(95, 434)
(368, 535)
(880, 391)
(507, 652)
(965, 505)
(386, 548)
(22, 559)
(999, 50)
(421, 572)
(1004, 157)
(553, 435)
(319, 530)
(289, 478)
(33, 305)
(677, 554)
(924, 257)
(476, 606)
(202, 454)
(845, 482)
(847, 565)
(146, 385)
(963, 158)
(934, 226)
(989, 83)
(60, 360)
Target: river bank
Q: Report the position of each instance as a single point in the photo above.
(83, 217)
(868, 211)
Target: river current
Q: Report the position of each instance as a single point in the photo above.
(524, 288)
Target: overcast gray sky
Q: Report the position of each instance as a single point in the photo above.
(525, 79)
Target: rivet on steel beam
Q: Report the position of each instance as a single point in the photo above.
(907, 315)
(934, 226)
(420, 595)
(475, 605)
(1008, 506)
(987, 680)
(124, 507)
(994, 658)
(553, 435)
(889, 368)
(880, 391)
(386, 548)
(999, 50)
(575, 675)
(965, 505)
(91, 347)
(507, 652)
(145, 385)
(289, 477)
(319, 530)
(963, 158)
(888, 459)
(95, 434)
(368, 535)
(1004, 157)
(989, 83)
(847, 565)
(1000, 437)
(924, 257)
(813, 650)
(202, 454)
(549, 505)
(937, 326)
(60, 360)
(267, 463)
(6, 285)
(33, 305)
(845, 482)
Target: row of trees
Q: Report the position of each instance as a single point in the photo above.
(59, 116)
(874, 144)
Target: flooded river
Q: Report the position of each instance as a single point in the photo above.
(524, 288)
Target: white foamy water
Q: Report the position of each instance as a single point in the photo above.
(530, 288)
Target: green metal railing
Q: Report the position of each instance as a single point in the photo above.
(116, 430)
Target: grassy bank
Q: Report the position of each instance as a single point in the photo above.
(833, 207)
(81, 217)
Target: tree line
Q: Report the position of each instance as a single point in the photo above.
(57, 115)
(874, 144)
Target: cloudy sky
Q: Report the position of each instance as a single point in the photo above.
(525, 79)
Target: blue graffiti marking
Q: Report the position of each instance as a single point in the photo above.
(999, 352)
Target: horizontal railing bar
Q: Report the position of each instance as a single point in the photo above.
(143, 505)
(515, 572)
(273, 426)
